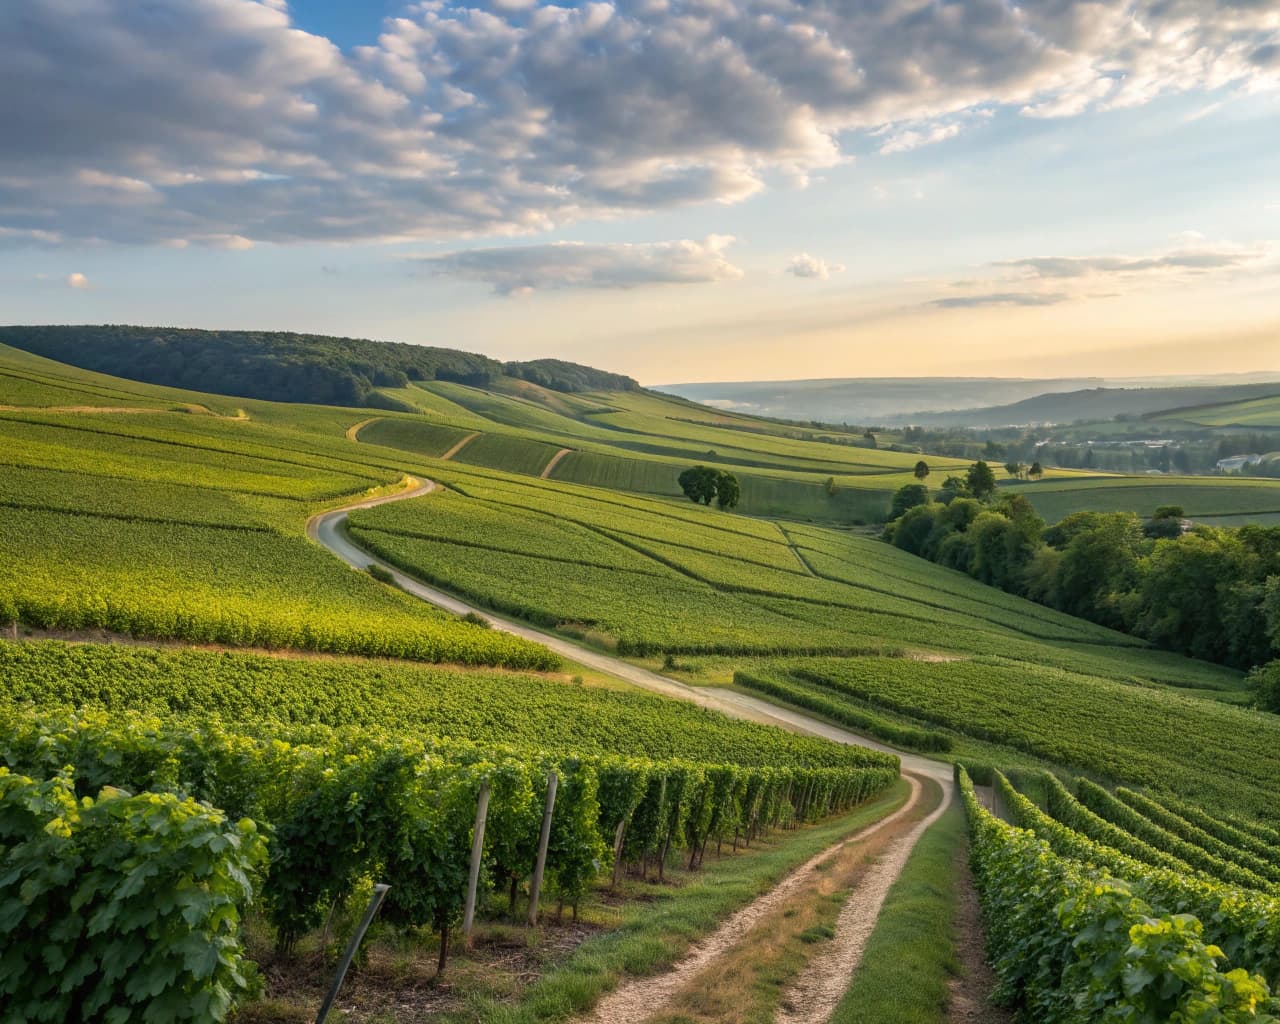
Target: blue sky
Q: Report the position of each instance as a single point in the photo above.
(679, 190)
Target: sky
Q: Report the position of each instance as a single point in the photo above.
(681, 190)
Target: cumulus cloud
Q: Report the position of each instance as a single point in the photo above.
(914, 138)
(207, 120)
(77, 280)
(805, 265)
(518, 269)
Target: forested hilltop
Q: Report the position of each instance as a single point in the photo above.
(284, 366)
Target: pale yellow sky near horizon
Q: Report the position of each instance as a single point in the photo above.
(1200, 324)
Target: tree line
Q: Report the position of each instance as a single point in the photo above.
(286, 367)
(1207, 592)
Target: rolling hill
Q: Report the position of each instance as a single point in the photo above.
(195, 683)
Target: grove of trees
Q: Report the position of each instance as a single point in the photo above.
(1208, 592)
(704, 484)
(287, 367)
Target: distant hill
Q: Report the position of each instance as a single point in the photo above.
(285, 367)
(966, 401)
(1096, 404)
(1253, 413)
(882, 401)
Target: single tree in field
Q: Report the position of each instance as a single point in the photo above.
(1014, 469)
(921, 471)
(727, 490)
(699, 484)
(1036, 471)
(981, 481)
(870, 438)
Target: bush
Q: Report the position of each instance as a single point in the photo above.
(380, 574)
(908, 496)
(1266, 686)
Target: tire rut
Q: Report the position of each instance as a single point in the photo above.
(816, 993)
(638, 1000)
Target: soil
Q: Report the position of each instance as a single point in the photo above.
(970, 991)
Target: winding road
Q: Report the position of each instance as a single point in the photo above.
(327, 530)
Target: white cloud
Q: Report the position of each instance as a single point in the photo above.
(984, 299)
(805, 265)
(914, 138)
(77, 280)
(1197, 260)
(517, 270)
(1049, 280)
(97, 179)
(210, 120)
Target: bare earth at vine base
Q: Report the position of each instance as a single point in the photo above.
(970, 992)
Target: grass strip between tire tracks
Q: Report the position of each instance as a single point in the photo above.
(911, 956)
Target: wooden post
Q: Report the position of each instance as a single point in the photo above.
(375, 901)
(535, 891)
(477, 852)
(618, 838)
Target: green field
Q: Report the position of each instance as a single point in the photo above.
(1086, 723)
(1209, 498)
(322, 698)
(1254, 413)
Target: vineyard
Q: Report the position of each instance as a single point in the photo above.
(336, 804)
(1084, 910)
(1103, 727)
(255, 734)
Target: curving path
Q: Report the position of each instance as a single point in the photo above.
(459, 446)
(555, 461)
(820, 987)
(327, 530)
